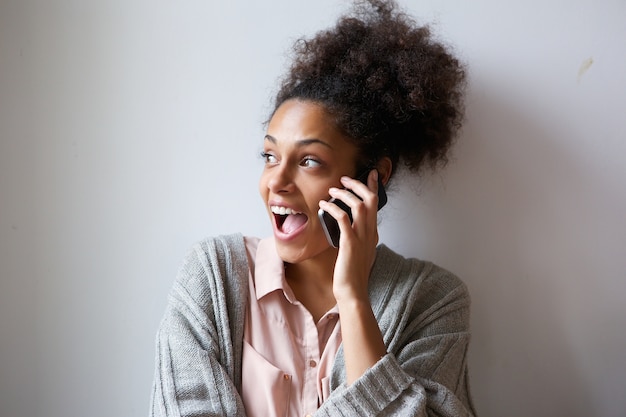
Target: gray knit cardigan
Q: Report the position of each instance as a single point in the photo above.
(422, 311)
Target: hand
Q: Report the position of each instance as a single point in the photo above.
(362, 341)
(357, 241)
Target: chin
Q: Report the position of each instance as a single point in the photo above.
(290, 254)
(293, 254)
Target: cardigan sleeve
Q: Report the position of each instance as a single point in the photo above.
(424, 373)
(197, 369)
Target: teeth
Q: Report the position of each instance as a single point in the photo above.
(283, 210)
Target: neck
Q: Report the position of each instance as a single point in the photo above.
(312, 282)
(317, 271)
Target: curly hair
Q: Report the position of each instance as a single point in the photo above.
(387, 84)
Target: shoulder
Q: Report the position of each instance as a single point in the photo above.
(216, 253)
(412, 284)
(214, 261)
(407, 272)
(218, 247)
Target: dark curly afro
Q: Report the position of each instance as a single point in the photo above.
(385, 81)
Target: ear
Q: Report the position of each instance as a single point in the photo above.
(384, 168)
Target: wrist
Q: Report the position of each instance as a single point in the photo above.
(354, 303)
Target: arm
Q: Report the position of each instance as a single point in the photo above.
(419, 367)
(362, 341)
(195, 364)
(425, 371)
(363, 344)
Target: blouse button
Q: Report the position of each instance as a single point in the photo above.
(312, 363)
(286, 377)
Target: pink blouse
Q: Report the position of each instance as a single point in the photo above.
(287, 357)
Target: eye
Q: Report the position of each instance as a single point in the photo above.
(309, 162)
(269, 158)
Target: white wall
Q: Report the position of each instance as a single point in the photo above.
(130, 129)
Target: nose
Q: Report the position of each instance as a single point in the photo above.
(280, 179)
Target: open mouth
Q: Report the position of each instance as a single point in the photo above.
(288, 220)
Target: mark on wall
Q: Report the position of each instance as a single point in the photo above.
(587, 63)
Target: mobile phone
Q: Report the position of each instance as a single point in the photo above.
(330, 225)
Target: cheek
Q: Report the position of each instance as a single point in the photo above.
(320, 191)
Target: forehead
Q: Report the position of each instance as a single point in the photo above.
(297, 120)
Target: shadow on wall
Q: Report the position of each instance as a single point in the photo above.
(519, 216)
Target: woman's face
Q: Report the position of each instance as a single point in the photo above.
(305, 155)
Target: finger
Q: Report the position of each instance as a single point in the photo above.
(367, 193)
(355, 185)
(346, 195)
(343, 220)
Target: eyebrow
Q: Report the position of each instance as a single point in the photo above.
(302, 142)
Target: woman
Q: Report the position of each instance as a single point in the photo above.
(291, 325)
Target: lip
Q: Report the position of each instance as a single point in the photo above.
(278, 234)
(283, 204)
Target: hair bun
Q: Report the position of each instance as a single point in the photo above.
(387, 83)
